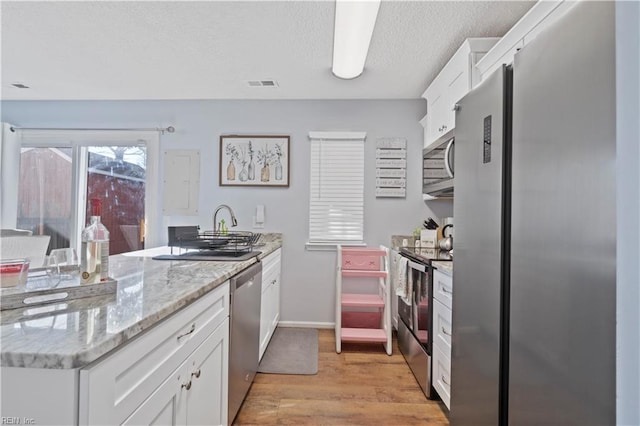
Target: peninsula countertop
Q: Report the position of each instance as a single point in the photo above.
(77, 332)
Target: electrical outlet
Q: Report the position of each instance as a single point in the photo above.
(257, 225)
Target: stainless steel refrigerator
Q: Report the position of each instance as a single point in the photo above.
(534, 204)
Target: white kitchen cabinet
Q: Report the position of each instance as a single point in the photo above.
(394, 258)
(207, 370)
(454, 80)
(442, 326)
(442, 316)
(144, 378)
(442, 375)
(270, 300)
(194, 393)
(443, 288)
(164, 406)
(539, 17)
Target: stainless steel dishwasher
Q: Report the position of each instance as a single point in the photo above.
(244, 342)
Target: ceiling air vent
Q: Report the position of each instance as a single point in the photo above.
(20, 85)
(263, 83)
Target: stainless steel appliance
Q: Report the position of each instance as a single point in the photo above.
(437, 169)
(244, 334)
(415, 315)
(534, 307)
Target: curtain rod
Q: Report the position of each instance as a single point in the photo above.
(169, 129)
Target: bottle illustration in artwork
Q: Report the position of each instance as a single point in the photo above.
(278, 170)
(231, 171)
(264, 173)
(233, 155)
(278, 155)
(244, 174)
(265, 158)
(252, 167)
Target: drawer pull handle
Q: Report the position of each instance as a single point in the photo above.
(444, 380)
(193, 328)
(446, 290)
(187, 385)
(444, 330)
(273, 282)
(196, 373)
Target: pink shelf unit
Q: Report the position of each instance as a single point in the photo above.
(367, 262)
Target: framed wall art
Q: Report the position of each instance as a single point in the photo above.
(254, 160)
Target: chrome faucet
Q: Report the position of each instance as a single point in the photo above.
(234, 221)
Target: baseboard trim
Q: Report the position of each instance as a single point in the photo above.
(306, 324)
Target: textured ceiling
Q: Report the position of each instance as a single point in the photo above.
(209, 50)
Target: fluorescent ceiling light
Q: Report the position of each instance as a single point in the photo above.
(354, 25)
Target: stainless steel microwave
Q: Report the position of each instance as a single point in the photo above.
(437, 170)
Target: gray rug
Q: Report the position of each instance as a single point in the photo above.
(291, 351)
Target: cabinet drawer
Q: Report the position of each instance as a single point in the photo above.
(442, 325)
(442, 374)
(111, 389)
(270, 277)
(443, 288)
(269, 306)
(271, 261)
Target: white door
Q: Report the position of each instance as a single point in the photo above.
(165, 406)
(206, 400)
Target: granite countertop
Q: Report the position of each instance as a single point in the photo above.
(446, 267)
(77, 332)
(397, 241)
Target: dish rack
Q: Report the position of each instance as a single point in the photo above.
(216, 241)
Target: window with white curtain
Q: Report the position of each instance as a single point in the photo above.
(336, 206)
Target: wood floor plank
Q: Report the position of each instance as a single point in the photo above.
(356, 412)
(360, 386)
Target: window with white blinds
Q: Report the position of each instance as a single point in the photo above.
(336, 206)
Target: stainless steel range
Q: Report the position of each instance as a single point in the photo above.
(415, 314)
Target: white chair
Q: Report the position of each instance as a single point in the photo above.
(15, 232)
(33, 248)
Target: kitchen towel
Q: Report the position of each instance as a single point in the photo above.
(402, 288)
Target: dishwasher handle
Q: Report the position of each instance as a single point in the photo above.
(250, 276)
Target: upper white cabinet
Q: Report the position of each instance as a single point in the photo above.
(539, 17)
(270, 304)
(456, 78)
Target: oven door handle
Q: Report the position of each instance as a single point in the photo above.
(417, 266)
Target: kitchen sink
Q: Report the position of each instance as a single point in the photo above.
(211, 255)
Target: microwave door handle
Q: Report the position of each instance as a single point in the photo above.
(417, 266)
(447, 158)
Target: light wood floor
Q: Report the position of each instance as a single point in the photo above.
(360, 386)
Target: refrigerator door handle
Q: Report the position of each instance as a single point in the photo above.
(447, 157)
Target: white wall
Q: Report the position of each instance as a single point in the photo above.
(9, 172)
(628, 212)
(308, 277)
